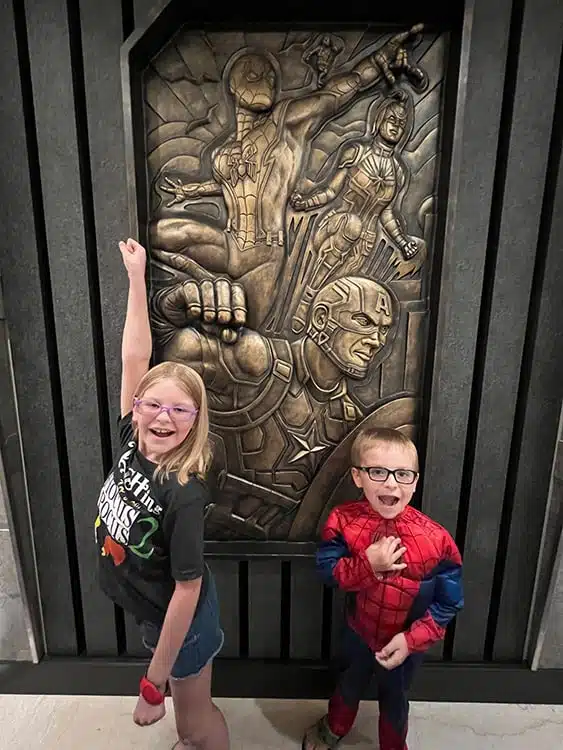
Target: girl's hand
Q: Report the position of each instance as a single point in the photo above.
(144, 714)
(134, 257)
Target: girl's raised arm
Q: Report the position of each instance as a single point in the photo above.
(136, 347)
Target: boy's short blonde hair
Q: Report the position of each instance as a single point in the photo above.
(369, 436)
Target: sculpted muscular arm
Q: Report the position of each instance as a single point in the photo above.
(307, 114)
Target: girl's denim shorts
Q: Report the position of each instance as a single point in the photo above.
(202, 643)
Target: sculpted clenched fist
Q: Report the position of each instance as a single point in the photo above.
(218, 304)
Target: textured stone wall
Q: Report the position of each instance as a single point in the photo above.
(14, 640)
(549, 646)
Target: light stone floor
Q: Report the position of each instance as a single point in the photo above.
(87, 723)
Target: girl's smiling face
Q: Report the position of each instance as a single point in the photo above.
(159, 431)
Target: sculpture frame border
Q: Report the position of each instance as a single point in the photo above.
(141, 46)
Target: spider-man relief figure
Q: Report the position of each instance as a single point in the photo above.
(303, 319)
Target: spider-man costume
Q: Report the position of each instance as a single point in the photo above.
(419, 600)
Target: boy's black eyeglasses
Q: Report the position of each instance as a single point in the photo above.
(380, 474)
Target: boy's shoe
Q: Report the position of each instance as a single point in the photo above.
(319, 737)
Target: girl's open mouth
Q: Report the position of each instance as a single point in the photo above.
(160, 433)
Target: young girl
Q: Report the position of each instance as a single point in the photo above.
(149, 528)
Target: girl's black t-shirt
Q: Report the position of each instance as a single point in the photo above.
(149, 533)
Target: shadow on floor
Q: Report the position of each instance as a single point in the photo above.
(292, 718)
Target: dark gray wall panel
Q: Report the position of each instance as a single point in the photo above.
(306, 611)
(29, 328)
(133, 639)
(553, 527)
(264, 609)
(59, 157)
(530, 133)
(482, 72)
(146, 11)
(546, 636)
(226, 574)
(14, 504)
(102, 36)
(338, 620)
(539, 432)
(550, 645)
(102, 33)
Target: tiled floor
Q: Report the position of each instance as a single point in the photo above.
(85, 723)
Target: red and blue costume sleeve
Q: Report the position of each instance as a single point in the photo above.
(444, 591)
(337, 565)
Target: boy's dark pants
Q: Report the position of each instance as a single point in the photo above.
(358, 668)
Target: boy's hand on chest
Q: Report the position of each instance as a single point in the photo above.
(385, 555)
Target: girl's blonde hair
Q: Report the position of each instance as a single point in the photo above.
(193, 455)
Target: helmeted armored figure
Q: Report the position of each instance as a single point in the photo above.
(362, 194)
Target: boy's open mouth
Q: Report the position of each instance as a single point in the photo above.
(389, 500)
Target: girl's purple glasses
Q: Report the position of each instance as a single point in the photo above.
(153, 408)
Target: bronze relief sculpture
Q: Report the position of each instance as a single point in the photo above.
(292, 186)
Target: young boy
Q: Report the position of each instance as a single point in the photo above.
(405, 574)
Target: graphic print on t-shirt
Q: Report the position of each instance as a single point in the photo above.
(123, 503)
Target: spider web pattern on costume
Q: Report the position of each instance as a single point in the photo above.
(381, 610)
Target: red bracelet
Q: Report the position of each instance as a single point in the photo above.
(151, 693)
